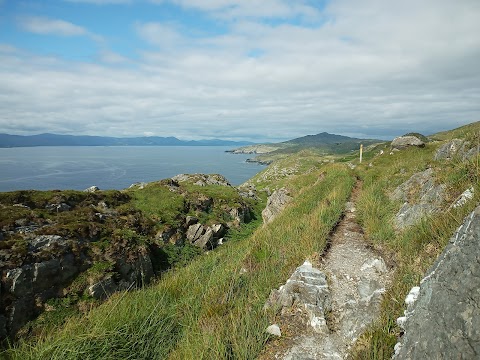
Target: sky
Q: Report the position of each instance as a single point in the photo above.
(257, 70)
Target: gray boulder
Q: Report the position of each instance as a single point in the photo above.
(19, 281)
(420, 196)
(44, 242)
(139, 271)
(443, 322)
(307, 288)
(275, 204)
(21, 311)
(205, 239)
(205, 236)
(456, 148)
(450, 149)
(103, 288)
(403, 142)
(58, 207)
(194, 232)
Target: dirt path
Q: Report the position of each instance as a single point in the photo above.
(356, 276)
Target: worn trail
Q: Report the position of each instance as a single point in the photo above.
(344, 305)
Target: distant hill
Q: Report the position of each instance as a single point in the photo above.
(7, 140)
(323, 143)
(329, 143)
(323, 138)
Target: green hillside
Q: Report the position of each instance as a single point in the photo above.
(212, 306)
(322, 144)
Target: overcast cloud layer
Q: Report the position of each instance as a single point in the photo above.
(264, 70)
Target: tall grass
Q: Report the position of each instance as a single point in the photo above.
(414, 249)
(212, 308)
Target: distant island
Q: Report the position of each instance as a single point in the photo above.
(7, 141)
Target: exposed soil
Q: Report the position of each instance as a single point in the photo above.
(357, 277)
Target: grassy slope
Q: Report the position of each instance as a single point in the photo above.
(211, 308)
(415, 249)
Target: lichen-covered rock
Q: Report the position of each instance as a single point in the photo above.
(456, 148)
(421, 197)
(275, 204)
(403, 142)
(464, 198)
(307, 288)
(44, 242)
(450, 149)
(202, 179)
(444, 321)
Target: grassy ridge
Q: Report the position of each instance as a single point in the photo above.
(211, 308)
(416, 248)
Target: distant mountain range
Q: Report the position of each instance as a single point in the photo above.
(7, 140)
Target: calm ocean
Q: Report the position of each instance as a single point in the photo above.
(44, 168)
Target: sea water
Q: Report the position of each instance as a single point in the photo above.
(79, 167)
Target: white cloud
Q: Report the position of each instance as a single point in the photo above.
(231, 9)
(159, 34)
(44, 26)
(47, 26)
(379, 69)
(111, 57)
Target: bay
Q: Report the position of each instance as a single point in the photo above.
(72, 167)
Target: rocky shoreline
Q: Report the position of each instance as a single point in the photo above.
(82, 246)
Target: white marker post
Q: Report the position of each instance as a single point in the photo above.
(361, 152)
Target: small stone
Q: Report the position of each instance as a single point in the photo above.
(91, 189)
(274, 330)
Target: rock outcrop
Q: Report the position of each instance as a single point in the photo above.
(307, 289)
(202, 179)
(25, 288)
(205, 236)
(442, 320)
(456, 148)
(275, 204)
(403, 142)
(420, 196)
